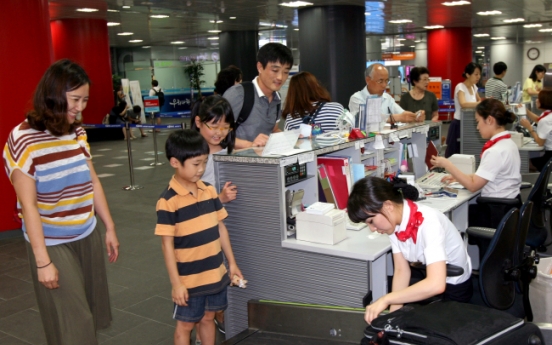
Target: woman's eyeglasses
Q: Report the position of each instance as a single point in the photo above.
(217, 129)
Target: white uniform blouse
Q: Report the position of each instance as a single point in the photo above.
(437, 240)
(544, 131)
(500, 165)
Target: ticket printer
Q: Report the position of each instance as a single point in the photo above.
(466, 163)
(326, 225)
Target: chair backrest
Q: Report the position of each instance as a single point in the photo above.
(524, 222)
(498, 292)
(537, 228)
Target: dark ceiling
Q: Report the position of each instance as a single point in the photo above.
(189, 20)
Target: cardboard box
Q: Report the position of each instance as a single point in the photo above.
(328, 228)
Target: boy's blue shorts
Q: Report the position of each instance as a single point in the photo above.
(195, 310)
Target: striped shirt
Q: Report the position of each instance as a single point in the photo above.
(194, 224)
(65, 195)
(326, 118)
(496, 89)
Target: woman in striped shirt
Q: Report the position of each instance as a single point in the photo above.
(48, 161)
(309, 102)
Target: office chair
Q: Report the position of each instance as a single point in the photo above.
(538, 232)
(496, 285)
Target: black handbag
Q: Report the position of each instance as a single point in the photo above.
(442, 323)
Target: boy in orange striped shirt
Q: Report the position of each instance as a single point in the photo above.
(189, 220)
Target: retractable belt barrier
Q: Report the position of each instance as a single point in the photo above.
(127, 126)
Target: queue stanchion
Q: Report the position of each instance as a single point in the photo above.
(130, 164)
(155, 152)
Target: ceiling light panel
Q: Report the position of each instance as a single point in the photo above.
(125, 33)
(489, 13)
(532, 25)
(87, 10)
(159, 16)
(400, 21)
(430, 27)
(514, 20)
(456, 3)
(296, 4)
(481, 35)
(113, 24)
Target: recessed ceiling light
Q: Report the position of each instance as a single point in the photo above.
(456, 3)
(159, 16)
(296, 4)
(400, 21)
(545, 30)
(399, 45)
(177, 42)
(533, 41)
(213, 38)
(532, 25)
(183, 48)
(478, 52)
(481, 35)
(113, 23)
(498, 38)
(87, 10)
(125, 33)
(513, 20)
(214, 31)
(145, 47)
(401, 39)
(429, 27)
(489, 13)
(296, 29)
(417, 41)
(367, 13)
(232, 17)
(412, 46)
(480, 47)
(136, 41)
(126, 6)
(214, 43)
(110, 10)
(215, 22)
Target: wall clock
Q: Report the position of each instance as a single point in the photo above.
(533, 53)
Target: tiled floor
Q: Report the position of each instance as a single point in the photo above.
(138, 283)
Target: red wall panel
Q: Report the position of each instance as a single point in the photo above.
(448, 52)
(26, 49)
(86, 42)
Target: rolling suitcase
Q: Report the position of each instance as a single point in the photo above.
(450, 323)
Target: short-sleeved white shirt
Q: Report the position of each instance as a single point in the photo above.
(388, 104)
(437, 240)
(468, 98)
(500, 165)
(544, 131)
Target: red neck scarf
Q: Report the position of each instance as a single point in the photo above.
(414, 221)
(491, 142)
(544, 114)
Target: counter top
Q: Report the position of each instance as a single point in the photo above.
(531, 147)
(360, 245)
(311, 145)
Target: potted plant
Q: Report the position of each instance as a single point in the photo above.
(195, 71)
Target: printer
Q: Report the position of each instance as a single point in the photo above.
(321, 224)
(466, 163)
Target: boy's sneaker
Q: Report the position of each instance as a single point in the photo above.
(220, 326)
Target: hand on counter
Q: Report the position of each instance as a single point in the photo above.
(260, 140)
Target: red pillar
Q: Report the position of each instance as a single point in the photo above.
(448, 53)
(86, 42)
(26, 47)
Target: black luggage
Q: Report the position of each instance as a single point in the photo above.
(450, 323)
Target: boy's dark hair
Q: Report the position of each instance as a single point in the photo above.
(499, 67)
(154, 83)
(537, 68)
(495, 108)
(50, 97)
(370, 193)
(416, 73)
(137, 109)
(216, 108)
(227, 78)
(184, 144)
(275, 52)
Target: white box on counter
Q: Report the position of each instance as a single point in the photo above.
(328, 228)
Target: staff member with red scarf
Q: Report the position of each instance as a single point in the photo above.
(418, 233)
(498, 175)
(543, 134)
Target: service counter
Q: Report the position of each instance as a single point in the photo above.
(280, 267)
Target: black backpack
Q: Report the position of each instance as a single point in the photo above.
(161, 97)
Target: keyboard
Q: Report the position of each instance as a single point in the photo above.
(431, 180)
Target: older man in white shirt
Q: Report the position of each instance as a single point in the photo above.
(377, 79)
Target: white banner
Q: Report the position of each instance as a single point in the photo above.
(137, 98)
